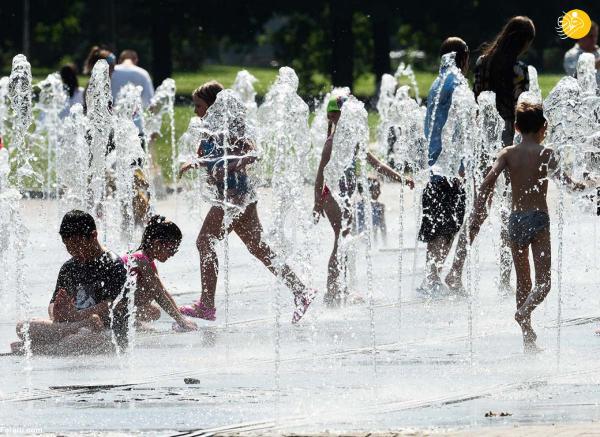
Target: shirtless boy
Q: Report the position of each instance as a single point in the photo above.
(528, 163)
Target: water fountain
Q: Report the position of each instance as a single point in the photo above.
(51, 103)
(21, 107)
(427, 360)
(283, 123)
(243, 86)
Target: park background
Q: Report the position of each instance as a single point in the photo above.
(329, 43)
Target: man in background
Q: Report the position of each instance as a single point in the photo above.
(127, 71)
(587, 44)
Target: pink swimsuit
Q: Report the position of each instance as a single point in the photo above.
(138, 256)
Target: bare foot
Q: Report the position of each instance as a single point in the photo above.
(530, 347)
(94, 323)
(332, 301)
(505, 289)
(454, 283)
(17, 347)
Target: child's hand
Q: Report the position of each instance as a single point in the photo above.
(184, 168)
(317, 212)
(410, 183)
(64, 307)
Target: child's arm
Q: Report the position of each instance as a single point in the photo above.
(561, 175)
(487, 186)
(64, 309)
(320, 179)
(386, 170)
(162, 296)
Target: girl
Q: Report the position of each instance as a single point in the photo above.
(499, 70)
(340, 215)
(160, 241)
(245, 221)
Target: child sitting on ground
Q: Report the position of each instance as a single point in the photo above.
(528, 164)
(160, 241)
(80, 306)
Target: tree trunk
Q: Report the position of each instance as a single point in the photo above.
(26, 28)
(380, 25)
(342, 49)
(162, 62)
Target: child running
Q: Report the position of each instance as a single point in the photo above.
(245, 221)
(160, 241)
(340, 215)
(528, 164)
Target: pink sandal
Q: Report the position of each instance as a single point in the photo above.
(199, 310)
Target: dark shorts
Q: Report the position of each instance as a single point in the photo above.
(523, 226)
(443, 209)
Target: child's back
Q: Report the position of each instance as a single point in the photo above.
(528, 164)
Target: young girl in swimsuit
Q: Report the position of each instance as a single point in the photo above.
(340, 215)
(245, 221)
(160, 241)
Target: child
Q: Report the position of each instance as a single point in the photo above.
(377, 208)
(86, 286)
(339, 215)
(160, 241)
(444, 196)
(528, 164)
(499, 69)
(245, 222)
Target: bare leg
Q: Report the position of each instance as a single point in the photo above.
(335, 217)
(147, 313)
(454, 276)
(82, 343)
(46, 331)
(522, 268)
(212, 231)
(437, 251)
(249, 229)
(540, 248)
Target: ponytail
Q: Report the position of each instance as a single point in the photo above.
(161, 229)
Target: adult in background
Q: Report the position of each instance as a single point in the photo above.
(499, 70)
(587, 44)
(128, 71)
(68, 74)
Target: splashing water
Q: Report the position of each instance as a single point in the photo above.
(243, 86)
(21, 108)
(72, 160)
(51, 103)
(99, 102)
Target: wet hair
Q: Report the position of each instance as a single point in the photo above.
(529, 117)
(457, 45)
(96, 53)
(208, 91)
(161, 229)
(68, 74)
(128, 54)
(77, 222)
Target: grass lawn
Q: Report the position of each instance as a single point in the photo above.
(188, 81)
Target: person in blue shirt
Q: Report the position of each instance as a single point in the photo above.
(444, 197)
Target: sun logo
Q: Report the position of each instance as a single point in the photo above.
(574, 24)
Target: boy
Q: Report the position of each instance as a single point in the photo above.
(86, 286)
(444, 196)
(528, 164)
